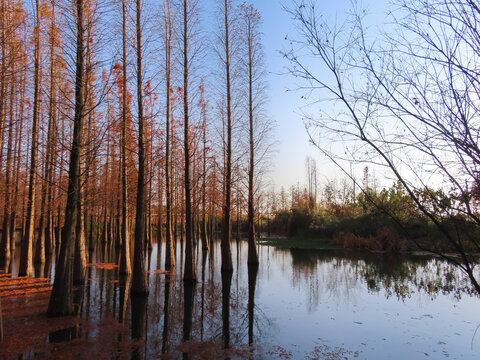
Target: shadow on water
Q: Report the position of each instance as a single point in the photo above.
(226, 288)
(138, 323)
(252, 281)
(188, 300)
(65, 335)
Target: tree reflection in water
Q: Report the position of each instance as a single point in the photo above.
(138, 323)
(239, 322)
(343, 273)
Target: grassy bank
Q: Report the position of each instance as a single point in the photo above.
(301, 243)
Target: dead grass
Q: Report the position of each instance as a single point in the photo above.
(385, 240)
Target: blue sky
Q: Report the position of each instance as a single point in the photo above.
(293, 146)
(284, 106)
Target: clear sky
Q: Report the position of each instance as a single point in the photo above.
(284, 106)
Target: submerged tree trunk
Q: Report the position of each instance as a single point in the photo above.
(252, 243)
(227, 264)
(203, 225)
(190, 271)
(61, 298)
(125, 266)
(139, 276)
(169, 250)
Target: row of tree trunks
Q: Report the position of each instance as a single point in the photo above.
(26, 264)
(191, 200)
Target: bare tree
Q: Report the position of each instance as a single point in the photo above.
(252, 21)
(190, 270)
(125, 266)
(412, 108)
(227, 264)
(168, 29)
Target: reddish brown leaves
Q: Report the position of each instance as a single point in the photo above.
(105, 266)
(22, 285)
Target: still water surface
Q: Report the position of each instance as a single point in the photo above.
(300, 304)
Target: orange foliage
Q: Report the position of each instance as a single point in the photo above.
(22, 285)
(105, 266)
(162, 272)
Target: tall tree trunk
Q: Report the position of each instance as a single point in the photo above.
(227, 264)
(190, 270)
(139, 276)
(40, 244)
(252, 243)
(169, 250)
(61, 298)
(51, 139)
(125, 266)
(3, 70)
(27, 241)
(6, 234)
(203, 230)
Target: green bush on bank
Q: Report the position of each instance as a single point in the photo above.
(385, 221)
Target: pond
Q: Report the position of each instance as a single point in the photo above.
(298, 304)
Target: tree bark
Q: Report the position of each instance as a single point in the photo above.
(139, 276)
(190, 271)
(125, 266)
(61, 298)
(227, 264)
(252, 243)
(169, 250)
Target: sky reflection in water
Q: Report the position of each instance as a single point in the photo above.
(302, 303)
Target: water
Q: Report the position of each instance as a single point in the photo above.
(301, 304)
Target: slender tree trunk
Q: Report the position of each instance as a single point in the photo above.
(190, 271)
(125, 266)
(6, 234)
(252, 243)
(204, 231)
(227, 264)
(27, 241)
(61, 298)
(139, 276)
(40, 244)
(3, 70)
(169, 250)
(51, 141)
